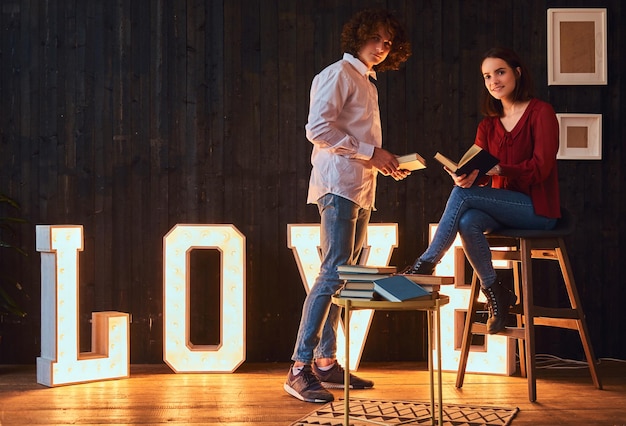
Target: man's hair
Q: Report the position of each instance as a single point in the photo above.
(363, 25)
(524, 88)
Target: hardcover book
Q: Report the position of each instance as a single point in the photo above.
(361, 277)
(429, 279)
(398, 288)
(363, 269)
(411, 162)
(474, 158)
(357, 294)
(359, 285)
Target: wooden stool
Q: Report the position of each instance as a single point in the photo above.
(525, 245)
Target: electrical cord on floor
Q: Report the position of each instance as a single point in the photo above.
(556, 363)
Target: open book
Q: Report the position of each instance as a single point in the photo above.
(411, 162)
(474, 158)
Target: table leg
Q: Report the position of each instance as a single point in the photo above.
(431, 374)
(438, 330)
(346, 379)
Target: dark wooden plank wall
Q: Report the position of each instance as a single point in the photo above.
(129, 117)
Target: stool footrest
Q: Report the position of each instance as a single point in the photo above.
(572, 324)
(513, 332)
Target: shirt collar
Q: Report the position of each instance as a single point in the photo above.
(360, 66)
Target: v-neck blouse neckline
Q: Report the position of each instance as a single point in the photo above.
(520, 123)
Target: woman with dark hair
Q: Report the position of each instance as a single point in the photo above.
(523, 133)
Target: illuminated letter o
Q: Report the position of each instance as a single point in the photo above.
(178, 352)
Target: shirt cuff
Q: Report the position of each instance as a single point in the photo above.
(365, 151)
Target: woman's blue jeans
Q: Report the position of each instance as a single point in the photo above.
(474, 211)
(342, 233)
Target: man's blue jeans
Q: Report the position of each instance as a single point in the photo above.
(342, 233)
(474, 211)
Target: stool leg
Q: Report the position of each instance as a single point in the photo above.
(570, 285)
(529, 315)
(467, 331)
(520, 318)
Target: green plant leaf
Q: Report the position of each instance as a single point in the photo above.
(8, 305)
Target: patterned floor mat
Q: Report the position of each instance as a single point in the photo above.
(368, 411)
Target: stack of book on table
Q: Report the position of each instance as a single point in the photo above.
(382, 283)
(360, 280)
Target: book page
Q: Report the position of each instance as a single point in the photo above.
(474, 149)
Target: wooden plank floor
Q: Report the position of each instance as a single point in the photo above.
(253, 395)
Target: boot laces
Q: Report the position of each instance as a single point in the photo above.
(411, 269)
(492, 302)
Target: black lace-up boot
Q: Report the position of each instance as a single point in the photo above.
(499, 300)
(420, 267)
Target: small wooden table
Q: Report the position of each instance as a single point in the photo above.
(430, 305)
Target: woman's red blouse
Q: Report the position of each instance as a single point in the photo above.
(527, 155)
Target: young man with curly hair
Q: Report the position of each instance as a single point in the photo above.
(344, 127)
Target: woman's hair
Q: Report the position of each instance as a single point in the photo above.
(524, 89)
(360, 28)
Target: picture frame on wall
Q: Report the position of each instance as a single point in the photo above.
(577, 46)
(580, 137)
